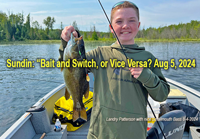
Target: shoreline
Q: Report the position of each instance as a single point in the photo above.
(166, 40)
(59, 41)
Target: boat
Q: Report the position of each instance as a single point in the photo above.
(25, 127)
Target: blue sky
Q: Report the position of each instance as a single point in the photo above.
(153, 13)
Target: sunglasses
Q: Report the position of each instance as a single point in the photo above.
(121, 2)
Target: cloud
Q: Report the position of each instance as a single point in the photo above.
(84, 22)
(88, 13)
(48, 12)
(81, 2)
(170, 13)
(39, 12)
(25, 6)
(24, 3)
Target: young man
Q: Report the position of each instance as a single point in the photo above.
(119, 93)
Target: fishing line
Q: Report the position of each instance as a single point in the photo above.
(127, 58)
(112, 29)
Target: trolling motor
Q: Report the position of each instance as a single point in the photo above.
(172, 124)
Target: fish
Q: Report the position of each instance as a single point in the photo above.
(76, 83)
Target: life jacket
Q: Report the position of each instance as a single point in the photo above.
(63, 109)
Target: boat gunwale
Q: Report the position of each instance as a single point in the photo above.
(184, 87)
(49, 95)
(16, 126)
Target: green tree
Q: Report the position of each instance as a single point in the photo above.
(94, 34)
(52, 22)
(8, 29)
(197, 31)
(27, 27)
(22, 27)
(36, 28)
(43, 35)
(2, 25)
(111, 36)
(61, 26)
(54, 34)
(85, 36)
(49, 23)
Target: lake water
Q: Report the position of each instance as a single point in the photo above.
(20, 88)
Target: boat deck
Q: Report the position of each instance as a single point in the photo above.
(23, 128)
(176, 95)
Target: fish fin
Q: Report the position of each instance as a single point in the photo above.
(75, 115)
(87, 78)
(62, 66)
(67, 95)
(87, 92)
(83, 114)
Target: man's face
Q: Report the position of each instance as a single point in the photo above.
(125, 24)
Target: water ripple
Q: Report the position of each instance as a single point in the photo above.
(21, 88)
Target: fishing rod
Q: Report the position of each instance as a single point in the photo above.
(127, 58)
(112, 28)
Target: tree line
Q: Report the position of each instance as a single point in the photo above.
(181, 31)
(17, 27)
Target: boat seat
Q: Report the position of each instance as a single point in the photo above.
(194, 132)
(41, 124)
(54, 135)
(176, 95)
(32, 125)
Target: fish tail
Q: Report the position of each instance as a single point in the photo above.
(75, 115)
(62, 67)
(79, 113)
(83, 114)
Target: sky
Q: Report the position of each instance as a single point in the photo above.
(87, 13)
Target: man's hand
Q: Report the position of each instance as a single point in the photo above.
(136, 71)
(66, 33)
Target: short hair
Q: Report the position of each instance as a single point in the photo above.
(126, 4)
